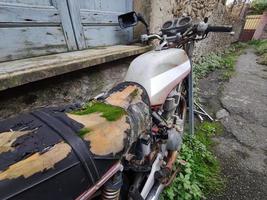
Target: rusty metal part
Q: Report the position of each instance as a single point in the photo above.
(113, 170)
(172, 177)
(171, 159)
(170, 164)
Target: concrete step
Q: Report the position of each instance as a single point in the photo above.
(19, 72)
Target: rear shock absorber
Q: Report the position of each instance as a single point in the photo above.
(108, 194)
(111, 189)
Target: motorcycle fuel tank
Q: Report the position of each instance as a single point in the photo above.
(159, 72)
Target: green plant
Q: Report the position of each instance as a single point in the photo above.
(200, 175)
(259, 45)
(110, 112)
(258, 6)
(83, 131)
(261, 50)
(224, 61)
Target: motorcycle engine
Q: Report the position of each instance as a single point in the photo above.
(173, 113)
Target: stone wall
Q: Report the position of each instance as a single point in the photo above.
(75, 87)
(215, 10)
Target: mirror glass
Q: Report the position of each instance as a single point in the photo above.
(128, 19)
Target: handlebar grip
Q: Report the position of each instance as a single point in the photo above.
(219, 28)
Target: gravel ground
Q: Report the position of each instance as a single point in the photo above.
(242, 149)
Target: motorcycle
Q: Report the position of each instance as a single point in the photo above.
(131, 156)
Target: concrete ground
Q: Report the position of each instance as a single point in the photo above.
(242, 149)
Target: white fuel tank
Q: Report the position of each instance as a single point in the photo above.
(159, 72)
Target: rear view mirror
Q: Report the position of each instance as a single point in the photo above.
(128, 19)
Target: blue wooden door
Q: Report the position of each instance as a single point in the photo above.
(31, 28)
(98, 22)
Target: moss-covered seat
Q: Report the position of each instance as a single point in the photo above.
(57, 153)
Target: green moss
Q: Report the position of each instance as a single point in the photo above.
(111, 113)
(134, 93)
(84, 131)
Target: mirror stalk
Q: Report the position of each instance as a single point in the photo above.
(143, 21)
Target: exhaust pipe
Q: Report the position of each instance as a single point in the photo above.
(155, 192)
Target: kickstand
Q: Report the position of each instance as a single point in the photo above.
(200, 112)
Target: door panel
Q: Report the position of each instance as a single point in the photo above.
(24, 14)
(29, 2)
(31, 45)
(34, 27)
(113, 5)
(98, 17)
(100, 24)
(39, 27)
(106, 5)
(104, 35)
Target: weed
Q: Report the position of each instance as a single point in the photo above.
(200, 175)
(110, 112)
(226, 75)
(262, 59)
(259, 45)
(224, 61)
(261, 50)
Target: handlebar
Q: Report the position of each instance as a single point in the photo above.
(199, 29)
(146, 37)
(219, 29)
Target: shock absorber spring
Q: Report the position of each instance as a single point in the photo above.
(110, 194)
(111, 189)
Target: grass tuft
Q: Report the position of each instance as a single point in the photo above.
(110, 112)
(261, 50)
(200, 175)
(223, 61)
(218, 61)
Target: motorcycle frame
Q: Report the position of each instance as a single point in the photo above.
(188, 47)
